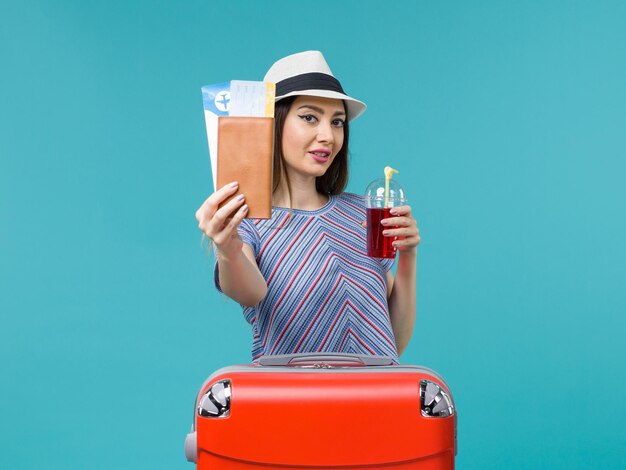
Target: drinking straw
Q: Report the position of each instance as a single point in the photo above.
(388, 174)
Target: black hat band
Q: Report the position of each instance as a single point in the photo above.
(308, 81)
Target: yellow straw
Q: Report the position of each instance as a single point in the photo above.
(388, 174)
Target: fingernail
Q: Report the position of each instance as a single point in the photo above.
(234, 184)
(245, 207)
(384, 222)
(240, 197)
(385, 232)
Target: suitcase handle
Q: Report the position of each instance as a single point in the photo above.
(324, 360)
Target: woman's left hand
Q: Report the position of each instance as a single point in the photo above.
(404, 227)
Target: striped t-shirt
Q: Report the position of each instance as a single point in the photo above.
(324, 293)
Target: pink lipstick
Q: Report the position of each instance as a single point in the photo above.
(320, 155)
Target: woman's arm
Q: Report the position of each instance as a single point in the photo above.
(240, 278)
(402, 300)
(402, 296)
(239, 275)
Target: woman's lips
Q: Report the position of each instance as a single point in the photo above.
(320, 156)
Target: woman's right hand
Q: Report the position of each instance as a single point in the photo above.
(220, 225)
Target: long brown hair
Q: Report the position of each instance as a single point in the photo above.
(335, 179)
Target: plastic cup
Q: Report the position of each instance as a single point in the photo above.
(378, 207)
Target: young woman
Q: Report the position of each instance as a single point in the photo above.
(303, 278)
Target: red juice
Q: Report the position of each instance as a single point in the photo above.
(379, 246)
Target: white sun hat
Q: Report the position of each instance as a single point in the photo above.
(307, 73)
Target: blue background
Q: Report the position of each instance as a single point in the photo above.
(505, 119)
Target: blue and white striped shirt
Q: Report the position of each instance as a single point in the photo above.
(324, 293)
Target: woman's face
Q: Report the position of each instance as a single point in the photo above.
(312, 135)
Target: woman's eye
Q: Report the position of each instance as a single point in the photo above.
(307, 117)
(338, 122)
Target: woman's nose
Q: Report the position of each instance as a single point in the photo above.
(325, 132)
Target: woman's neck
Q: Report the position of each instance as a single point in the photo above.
(304, 195)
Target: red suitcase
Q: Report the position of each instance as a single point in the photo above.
(323, 411)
